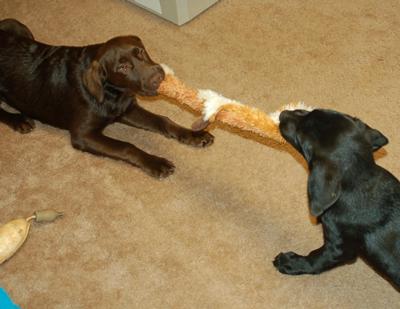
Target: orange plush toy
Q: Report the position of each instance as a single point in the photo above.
(215, 107)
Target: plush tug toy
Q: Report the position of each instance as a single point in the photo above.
(14, 233)
(215, 107)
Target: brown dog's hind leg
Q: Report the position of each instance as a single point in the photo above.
(17, 122)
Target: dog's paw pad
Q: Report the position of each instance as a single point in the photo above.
(206, 140)
(198, 139)
(23, 124)
(286, 263)
(159, 168)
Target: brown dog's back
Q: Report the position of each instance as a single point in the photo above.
(15, 27)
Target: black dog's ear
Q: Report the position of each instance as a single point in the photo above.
(376, 138)
(93, 79)
(306, 148)
(324, 186)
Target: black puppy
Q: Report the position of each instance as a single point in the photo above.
(84, 89)
(357, 201)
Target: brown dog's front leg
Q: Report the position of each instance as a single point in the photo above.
(99, 144)
(138, 117)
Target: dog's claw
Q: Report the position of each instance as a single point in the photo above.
(198, 139)
(23, 124)
(208, 140)
(159, 167)
(287, 263)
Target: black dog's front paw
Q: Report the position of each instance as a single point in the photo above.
(291, 263)
(158, 167)
(197, 138)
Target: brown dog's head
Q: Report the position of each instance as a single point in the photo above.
(331, 143)
(124, 63)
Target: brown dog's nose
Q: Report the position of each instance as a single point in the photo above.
(157, 77)
(156, 80)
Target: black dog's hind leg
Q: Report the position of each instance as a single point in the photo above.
(382, 252)
(18, 122)
(334, 252)
(387, 266)
(138, 117)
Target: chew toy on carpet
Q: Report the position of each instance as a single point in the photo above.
(14, 233)
(215, 107)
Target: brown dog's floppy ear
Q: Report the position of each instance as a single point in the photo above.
(93, 79)
(324, 186)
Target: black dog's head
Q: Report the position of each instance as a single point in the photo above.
(124, 63)
(330, 142)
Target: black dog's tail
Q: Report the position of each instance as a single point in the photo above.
(14, 26)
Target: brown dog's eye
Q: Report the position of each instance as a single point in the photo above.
(124, 67)
(139, 53)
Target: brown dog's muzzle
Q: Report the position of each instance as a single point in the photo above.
(154, 79)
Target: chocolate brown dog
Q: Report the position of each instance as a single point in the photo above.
(357, 201)
(84, 89)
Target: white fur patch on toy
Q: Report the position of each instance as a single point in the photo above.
(167, 69)
(213, 102)
(289, 107)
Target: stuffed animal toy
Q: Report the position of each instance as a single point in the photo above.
(13, 234)
(215, 107)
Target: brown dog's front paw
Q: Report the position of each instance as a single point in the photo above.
(197, 139)
(158, 167)
(23, 124)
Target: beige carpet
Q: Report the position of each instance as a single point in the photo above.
(206, 236)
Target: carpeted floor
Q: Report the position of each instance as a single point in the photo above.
(206, 236)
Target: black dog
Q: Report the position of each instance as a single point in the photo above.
(357, 201)
(84, 89)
